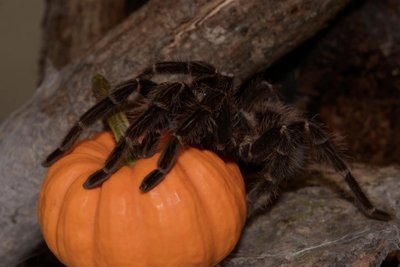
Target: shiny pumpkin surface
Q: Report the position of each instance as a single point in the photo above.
(193, 218)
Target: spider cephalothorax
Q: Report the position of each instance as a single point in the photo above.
(253, 127)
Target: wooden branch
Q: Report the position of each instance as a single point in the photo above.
(238, 36)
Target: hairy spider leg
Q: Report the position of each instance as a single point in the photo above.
(170, 152)
(328, 153)
(282, 150)
(163, 100)
(165, 163)
(121, 93)
(289, 158)
(118, 96)
(192, 130)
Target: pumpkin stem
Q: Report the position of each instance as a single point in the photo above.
(117, 121)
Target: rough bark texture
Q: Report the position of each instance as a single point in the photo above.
(240, 37)
(70, 27)
(313, 225)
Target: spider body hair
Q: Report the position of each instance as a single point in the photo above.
(253, 127)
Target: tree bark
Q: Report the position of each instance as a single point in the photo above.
(70, 27)
(238, 36)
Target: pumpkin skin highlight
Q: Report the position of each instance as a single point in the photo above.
(193, 218)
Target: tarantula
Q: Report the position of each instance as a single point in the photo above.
(255, 128)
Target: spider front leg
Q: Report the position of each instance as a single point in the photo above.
(165, 163)
(142, 84)
(118, 96)
(185, 132)
(152, 121)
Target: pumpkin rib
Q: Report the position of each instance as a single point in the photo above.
(96, 211)
(103, 150)
(75, 191)
(229, 182)
(241, 191)
(59, 225)
(80, 157)
(58, 241)
(214, 166)
(107, 192)
(234, 169)
(43, 214)
(200, 209)
(230, 186)
(186, 193)
(219, 180)
(237, 209)
(58, 183)
(211, 233)
(96, 227)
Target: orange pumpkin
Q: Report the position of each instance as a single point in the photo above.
(193, 218)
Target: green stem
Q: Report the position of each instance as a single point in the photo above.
(117, 121)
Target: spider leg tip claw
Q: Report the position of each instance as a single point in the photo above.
(381, 215)
(95, 179)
